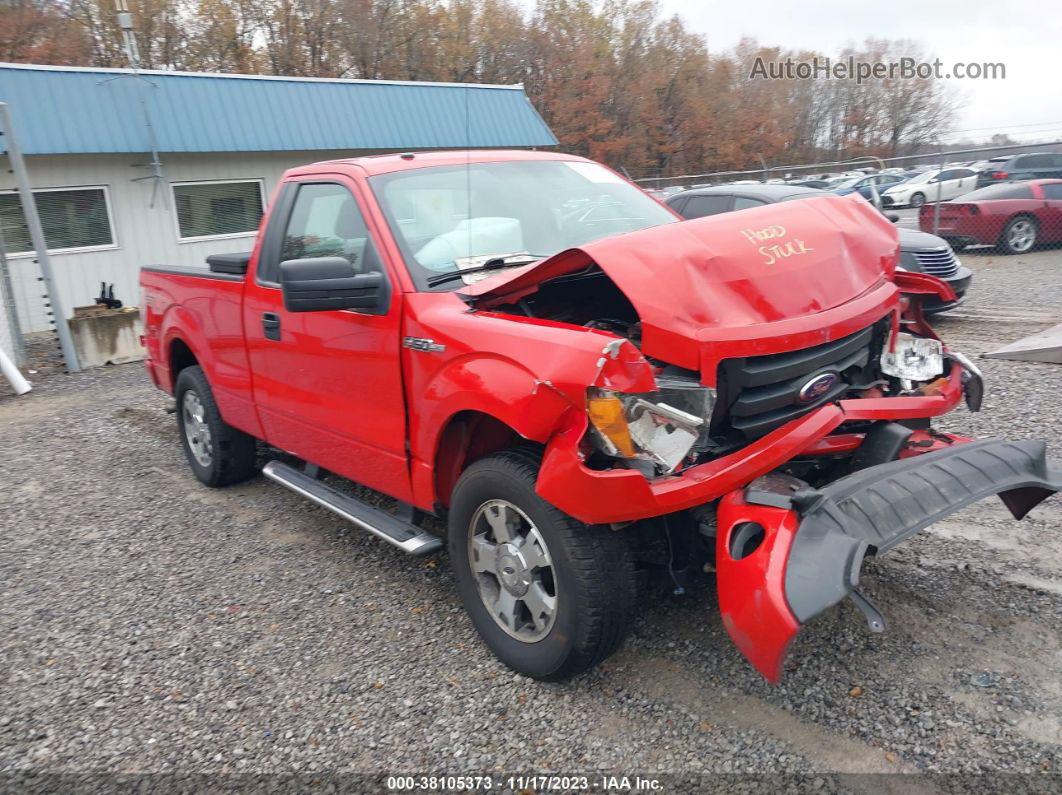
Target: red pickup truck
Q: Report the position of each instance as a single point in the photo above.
(586, 387)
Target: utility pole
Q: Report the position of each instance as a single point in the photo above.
(33, 223)
(125, 22)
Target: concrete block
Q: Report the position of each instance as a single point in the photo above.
(1043, 346)
(109, 336)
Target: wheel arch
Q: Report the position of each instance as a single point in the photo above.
(182, 345)
(495, 399)
(1022, 214)
(468, 436)
(179, 356)
(1014, 217)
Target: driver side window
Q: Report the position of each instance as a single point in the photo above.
(325, 221)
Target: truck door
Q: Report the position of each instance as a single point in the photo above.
(328, 384)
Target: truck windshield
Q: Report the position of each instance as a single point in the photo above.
(449, 218)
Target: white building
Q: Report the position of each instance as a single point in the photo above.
(221, 143)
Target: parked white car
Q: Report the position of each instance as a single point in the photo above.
(933, 186)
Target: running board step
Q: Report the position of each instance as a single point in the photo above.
(403, 535)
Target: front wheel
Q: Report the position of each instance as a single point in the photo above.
(218, 453)
(917, 200)
(549, 595)
(1019, 235)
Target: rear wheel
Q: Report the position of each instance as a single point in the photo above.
(218, 453)
(549, 595)
(1019, 235)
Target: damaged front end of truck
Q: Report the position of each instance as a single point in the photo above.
(794, 379)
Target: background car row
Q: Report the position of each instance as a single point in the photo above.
(933, 186)
(1015, 216)
(918, 185)
(919, 251)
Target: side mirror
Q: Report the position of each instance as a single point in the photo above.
(892, 217)
(319, 284)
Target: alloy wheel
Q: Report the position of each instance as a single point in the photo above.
(196, 430)
(513, 570)
(1021, 236)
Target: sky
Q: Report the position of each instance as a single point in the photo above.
(1026, 36)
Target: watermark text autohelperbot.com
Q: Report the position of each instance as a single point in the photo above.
(850, 68)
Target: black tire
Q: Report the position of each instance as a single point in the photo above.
(1008, 245)
(957, 245)
(917, 200)
(233, 453)
(596, 586)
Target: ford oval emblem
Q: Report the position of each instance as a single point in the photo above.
(817, 387)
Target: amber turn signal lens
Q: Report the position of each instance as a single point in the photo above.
(606, 414)
(934, 388)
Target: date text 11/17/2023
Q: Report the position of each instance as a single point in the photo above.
(535, 783)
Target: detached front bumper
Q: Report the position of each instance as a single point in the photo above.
(785, 552)
(619, 495)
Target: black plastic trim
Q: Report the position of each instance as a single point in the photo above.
(772, 368)
(181, 270)
(757, 394)
(875, 509)
(229, 263)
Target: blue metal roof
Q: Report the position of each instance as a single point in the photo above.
(67, 110)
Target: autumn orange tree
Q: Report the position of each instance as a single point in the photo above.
(615, 80)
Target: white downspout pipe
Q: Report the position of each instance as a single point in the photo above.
(14, 377)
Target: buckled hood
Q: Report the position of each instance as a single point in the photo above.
(757, 266)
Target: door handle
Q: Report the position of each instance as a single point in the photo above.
(271, 325)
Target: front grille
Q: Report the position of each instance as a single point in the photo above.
(759, 393)
(940, 262)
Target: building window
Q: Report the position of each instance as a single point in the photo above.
(217, 209)
(73, 219)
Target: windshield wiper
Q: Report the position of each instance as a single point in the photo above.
(490, 265)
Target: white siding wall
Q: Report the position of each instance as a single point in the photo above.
(144, 235)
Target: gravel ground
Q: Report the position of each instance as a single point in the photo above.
(149, 625)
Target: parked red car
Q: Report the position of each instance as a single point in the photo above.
(586, 389)
(1016, 216)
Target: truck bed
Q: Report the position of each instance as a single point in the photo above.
(209, 303)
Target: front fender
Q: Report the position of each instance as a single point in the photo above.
(493, 386)
(499, 387)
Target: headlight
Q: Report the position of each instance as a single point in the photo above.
(661, 427)
(915, 359)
